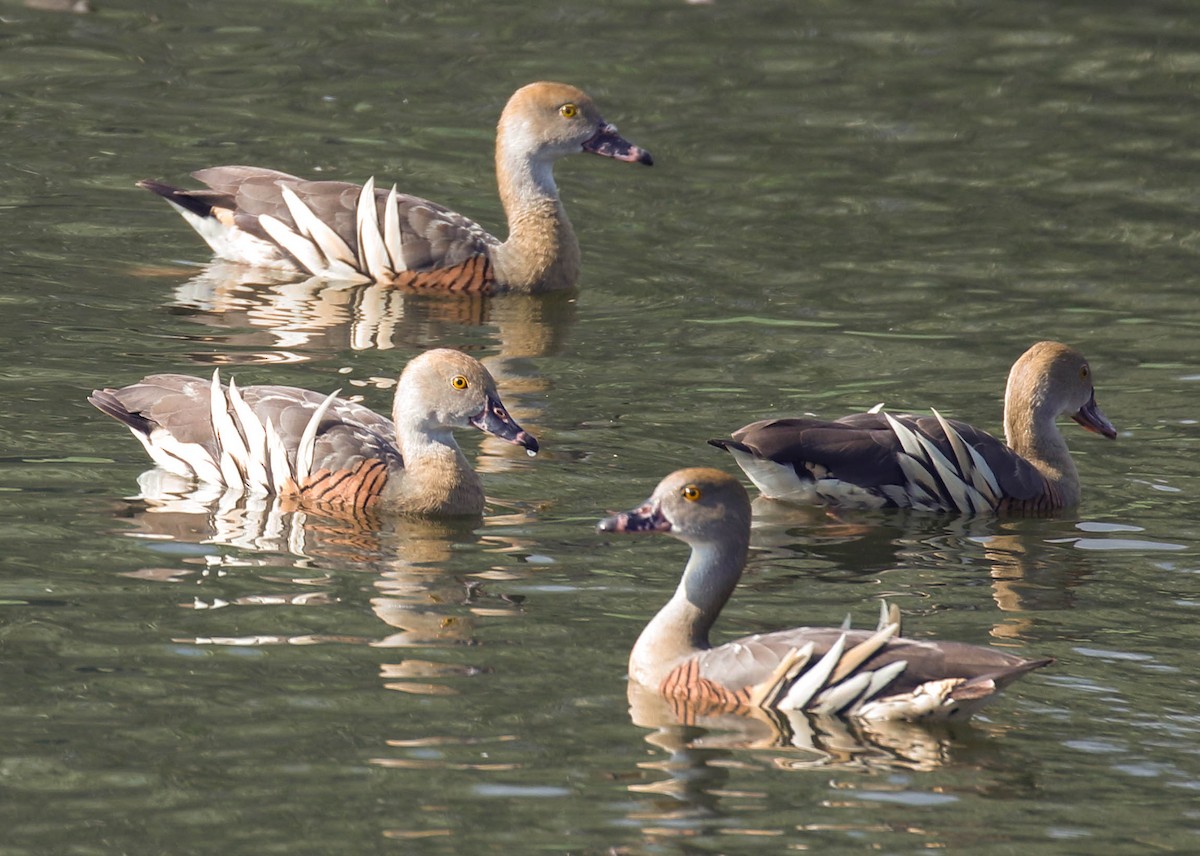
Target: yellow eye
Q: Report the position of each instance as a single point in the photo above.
(459, 382)
(691, 493)
(569, 111)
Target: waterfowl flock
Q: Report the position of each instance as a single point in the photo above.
(325, 452)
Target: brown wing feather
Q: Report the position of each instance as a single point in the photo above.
(747, 662)
(863, 449)
(349, 437)
(433, 236)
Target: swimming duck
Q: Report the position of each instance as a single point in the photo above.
(322, 450)
(342, 231)
(931, 463)
(825, 670)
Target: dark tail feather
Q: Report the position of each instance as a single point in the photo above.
(198, 202)
(107, 403)
(985, 685)
(727, 445)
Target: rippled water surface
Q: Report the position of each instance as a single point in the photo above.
(851, 203)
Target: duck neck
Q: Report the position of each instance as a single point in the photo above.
(436, 477)
(541, 252)
(1031, 431)
(681, 627)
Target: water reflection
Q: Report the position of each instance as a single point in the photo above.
(1027, 572)
(792, 740)
(698, 767)
(264, 309)
(276, 544)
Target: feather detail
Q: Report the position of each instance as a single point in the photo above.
(255, 437)
(393, 239)
(941, 482)
(766, 693)
(281, 470)
(305, 450)
(929, 699)
(841, 695)
(955, 489)
(862, 652)
(300, 248)
(340, 262)
(182, 459)
(372, 254)
(801, 692)
(231, 449)
(956, 444)
(910, 464)
(329, 242)
(881, 677)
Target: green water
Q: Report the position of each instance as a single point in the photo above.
(851, 203)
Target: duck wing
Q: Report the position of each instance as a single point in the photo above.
(340, 230)
(854, 672)
(258, 438)
(882, 459)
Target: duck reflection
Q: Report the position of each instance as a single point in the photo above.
(1028, 571)
(261, 308)
(226, 541)
(683, 788)
(791, 740)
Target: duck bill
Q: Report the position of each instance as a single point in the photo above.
(494, 420)
(645, 518)
(609, 144)
(1091, 418)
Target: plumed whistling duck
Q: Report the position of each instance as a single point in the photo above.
(324, 451)
(856, 673)
(342, 231)
(930, 463)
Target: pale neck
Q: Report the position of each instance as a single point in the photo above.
(680, 629)
(541, 251)
(1031, 430)
(436, 477)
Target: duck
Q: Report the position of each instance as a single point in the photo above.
(362, 234)
(873, 676)
(321, 450)
(929, 463)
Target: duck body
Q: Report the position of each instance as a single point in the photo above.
(930, 463)
(321, 450)
(839, 671)
(353, 233)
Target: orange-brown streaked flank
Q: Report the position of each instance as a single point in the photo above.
(360, 486)
(692, 695)
(474, 276)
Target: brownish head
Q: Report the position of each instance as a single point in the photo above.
(552, 120)
(444, 388)
(698, 504)
(1051, 380)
